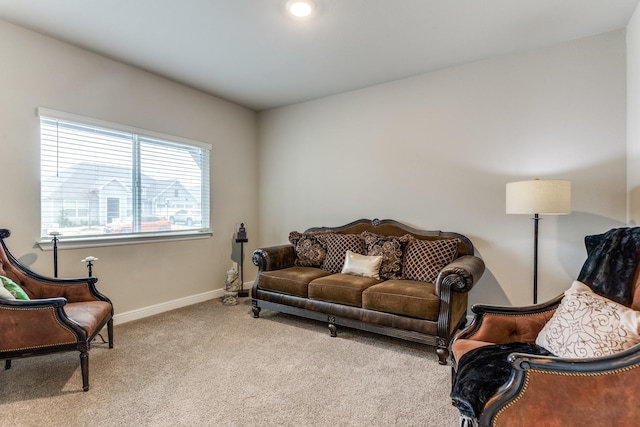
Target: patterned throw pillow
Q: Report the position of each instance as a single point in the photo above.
(13, 288)
(311, 248)
(425, 258)
(586, 324)
(391, 248)
(337, 247)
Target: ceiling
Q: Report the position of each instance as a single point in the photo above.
(251, 53)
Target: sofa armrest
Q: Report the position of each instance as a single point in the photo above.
(461, 274)
(274, 258)
(602, 390)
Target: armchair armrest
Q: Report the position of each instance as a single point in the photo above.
(566, 390)
(73, 289)
(502, 325)
(54, 328)
(274, 257)
(461, 274)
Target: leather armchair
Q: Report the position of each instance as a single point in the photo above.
(548, 390)
(61, 315)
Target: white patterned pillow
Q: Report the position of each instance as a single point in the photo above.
(5, 294)
(586, 324)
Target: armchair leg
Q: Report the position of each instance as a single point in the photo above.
(7, 364)
(110, 332)
(84, 366)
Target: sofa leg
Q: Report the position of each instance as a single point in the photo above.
(443, 355)
(332, 326)
(256, 312)
(333, 329)
(7, 364)
(84, 367)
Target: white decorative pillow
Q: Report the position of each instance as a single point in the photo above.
(362, 265)
(586, 324)
(5, 294)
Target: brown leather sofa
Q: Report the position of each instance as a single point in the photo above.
(60, 315)
(415, 310)
(548, 390)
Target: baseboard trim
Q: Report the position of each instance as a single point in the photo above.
(140, 313)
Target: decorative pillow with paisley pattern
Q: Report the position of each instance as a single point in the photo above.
(311, 247)
(391, 248)
(586, 324)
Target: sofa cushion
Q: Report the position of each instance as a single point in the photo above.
(337, 247)
(362, 265)
(589, 325)
(340, 288)
(404, 297)
(425, 258)
(311, 247)
(290, 281)
(392, 250)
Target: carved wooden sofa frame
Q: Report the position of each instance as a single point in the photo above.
(452, 285)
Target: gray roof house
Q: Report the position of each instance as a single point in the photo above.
(95, 194)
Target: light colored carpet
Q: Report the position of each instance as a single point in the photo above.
(215, 365)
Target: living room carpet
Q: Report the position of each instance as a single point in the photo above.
(214, 365)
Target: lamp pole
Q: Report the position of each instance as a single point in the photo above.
(536, 219)
(241, 238)
(55, 239)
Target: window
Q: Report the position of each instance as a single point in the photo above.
(101, 180)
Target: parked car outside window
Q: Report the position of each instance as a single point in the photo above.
(186, 216)
(150, 223)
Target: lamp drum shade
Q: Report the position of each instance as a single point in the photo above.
(539, 196)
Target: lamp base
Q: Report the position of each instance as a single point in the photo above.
(243, 294)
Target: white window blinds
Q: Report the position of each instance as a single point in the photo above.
(102, 179)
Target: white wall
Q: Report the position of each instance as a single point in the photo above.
(633, 115)
(435, 151)
(37, 71)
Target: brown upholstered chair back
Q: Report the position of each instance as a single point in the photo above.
(36, 287)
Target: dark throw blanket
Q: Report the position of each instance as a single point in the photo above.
(609, 270)
(482, 371)
(611, 263)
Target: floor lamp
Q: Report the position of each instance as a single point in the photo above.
(540, 196)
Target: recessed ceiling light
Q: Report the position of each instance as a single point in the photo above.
(301, 8)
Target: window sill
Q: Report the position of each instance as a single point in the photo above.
(114, 240)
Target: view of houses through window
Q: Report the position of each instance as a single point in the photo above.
(99, 181)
